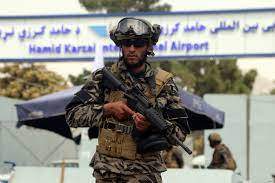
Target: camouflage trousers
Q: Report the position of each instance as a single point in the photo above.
(119, 178)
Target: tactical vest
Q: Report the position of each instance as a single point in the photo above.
(115, 139)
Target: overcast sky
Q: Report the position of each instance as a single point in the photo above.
(265, 67)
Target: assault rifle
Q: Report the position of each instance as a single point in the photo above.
(140, 103)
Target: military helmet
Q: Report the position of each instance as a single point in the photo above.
(130, 28)
(215, 137)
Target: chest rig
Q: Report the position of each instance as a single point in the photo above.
(115, 137)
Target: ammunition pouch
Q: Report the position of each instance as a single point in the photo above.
(116, 144)
(148, 143)
(115, 140)
(153, 143)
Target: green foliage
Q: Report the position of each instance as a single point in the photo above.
(113, 6)
(224, 76)
(81, 78)
(27, 81)
(200, 76)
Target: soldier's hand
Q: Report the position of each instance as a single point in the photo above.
(140, 122)
(119, 110)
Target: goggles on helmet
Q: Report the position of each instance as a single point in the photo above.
(132, 25)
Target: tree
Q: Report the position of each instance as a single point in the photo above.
(81, 78)
(214, 76)
(27, 81)
(200, 76)
(126, 6)
(272, 92)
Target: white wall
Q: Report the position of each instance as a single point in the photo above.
(262, 138)
(234, 131)
(27, 146)
(261, 133)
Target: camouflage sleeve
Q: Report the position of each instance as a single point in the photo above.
(168, 96)
(86, 108)
(173, 111)
(212, 163)
(225, 157)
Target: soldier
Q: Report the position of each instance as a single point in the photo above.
(128, 148)
(222, 157)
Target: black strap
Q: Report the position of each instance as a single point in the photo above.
(152, 82)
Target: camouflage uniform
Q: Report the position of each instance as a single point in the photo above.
(136, 178)
(146, 167)
(222, 158)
